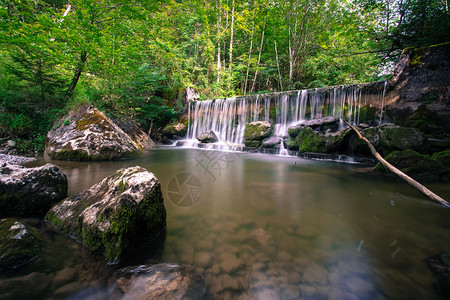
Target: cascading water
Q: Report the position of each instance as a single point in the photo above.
(228, 117)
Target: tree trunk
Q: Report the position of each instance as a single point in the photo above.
(76, 76)
(422, 189)
(250, 50)
(260, 50)
(230, 63)
(219, 21)
(278, 65)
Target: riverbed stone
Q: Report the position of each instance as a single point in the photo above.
(88, 134)
(161, 281)
(230, 263)
(256, 132)
(19, 244)
(30, 286)
(30, 191)
(439, 265)
(208, 137)
(315, 274)
(202, 259)
(122, 212)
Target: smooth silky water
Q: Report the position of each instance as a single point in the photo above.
(263, 227)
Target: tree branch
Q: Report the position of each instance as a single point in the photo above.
(422, 189)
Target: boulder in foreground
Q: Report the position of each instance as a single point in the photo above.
(30, 191)
(87, 134)
(123, 212)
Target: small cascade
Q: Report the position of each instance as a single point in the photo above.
(228, 117)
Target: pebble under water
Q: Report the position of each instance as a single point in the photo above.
(261, 227)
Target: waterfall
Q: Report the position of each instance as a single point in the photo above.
(228, 117)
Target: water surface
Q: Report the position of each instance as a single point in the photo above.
(267, 227)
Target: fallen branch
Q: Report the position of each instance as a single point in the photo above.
(422, 189)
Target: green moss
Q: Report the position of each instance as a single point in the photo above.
(256, 132)
(92, 119)
(443, 157)
(253, 144)
(309, 140)
(293, 131)
(292, 144)
(16, 252)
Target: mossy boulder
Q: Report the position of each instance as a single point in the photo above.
(322, 124)
(416, 164)
(87, 134)
(123, 212)
(359, 147)
(19, 244)
(337, 142)
(397, 138)
(309, 140)
(256, 132)
(136, 134)
(30, 191)
(174, 131)
(161, 281)
(208, 137)
(291, 144)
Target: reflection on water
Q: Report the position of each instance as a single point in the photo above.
(266, 227)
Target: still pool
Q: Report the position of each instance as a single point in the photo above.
(261, 227)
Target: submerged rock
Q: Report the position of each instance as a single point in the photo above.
(87, 134)
(440, 266)
(208, 137)
(256, 132)
(30, 286)
(161, 281)
(19, 244)
(30, 191)
(124, 211)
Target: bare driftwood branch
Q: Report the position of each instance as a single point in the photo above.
(422, 189)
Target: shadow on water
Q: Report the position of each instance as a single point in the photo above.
(262, 227)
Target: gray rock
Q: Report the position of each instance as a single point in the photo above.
(19, 244)
(15, 159)
(337, 142)
(321, 124)
(271, 142)
(30, 191)
(208, 137)
(394, 137)
(161, 281)
(136, 134)
(125, 210)
(87, 134)
(174, 131)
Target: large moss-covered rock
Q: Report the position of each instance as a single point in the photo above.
(136, 134)
(87, 134)
(30, 191)
(175, 130)
(337, 142)
(443, 157)
(256, 132)
(161, 281)
(309, 140)
(397, 138)
(19, 244)
(124, 211)
(416, 164)
(359, 147)
(322, 124)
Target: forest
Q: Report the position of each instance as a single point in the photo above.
(133, 59)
